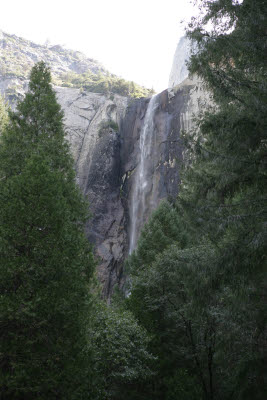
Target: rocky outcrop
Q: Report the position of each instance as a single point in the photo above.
(179, 70)
(19, 55)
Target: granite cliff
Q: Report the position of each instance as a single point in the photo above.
(126, 151)
(105, 134)
(179, 70)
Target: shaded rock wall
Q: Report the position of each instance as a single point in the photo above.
(173, 111)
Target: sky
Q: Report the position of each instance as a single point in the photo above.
(135, 39)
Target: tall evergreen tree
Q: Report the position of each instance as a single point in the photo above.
(45, 260)
(209, 294)
(226, 196)
(228, 177)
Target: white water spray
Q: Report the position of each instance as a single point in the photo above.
(141, 199)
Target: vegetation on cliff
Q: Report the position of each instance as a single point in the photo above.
(105, 83)
(69, 68)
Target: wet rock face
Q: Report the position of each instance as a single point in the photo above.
(160, 177)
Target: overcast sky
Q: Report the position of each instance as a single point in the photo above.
(135, 39)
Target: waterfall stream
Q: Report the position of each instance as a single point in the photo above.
(142, 199)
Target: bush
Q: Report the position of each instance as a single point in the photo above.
(107, 124)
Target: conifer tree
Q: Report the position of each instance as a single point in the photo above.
(45, 260)
(227, 177)
(224, 193)
(210, 295)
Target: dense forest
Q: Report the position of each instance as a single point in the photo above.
(193, 324)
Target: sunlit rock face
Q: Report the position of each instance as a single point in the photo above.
(18, 56)
(179, 70)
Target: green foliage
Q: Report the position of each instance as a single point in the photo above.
(163, 228)
(182, 386)
(3, 115)
(45, 260)
(200, 290)
(105, 83)
(227, 178)
(226, 199)
(108, 124)
(171, 296)
(119, 352)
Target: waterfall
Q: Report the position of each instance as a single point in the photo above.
(142, 198)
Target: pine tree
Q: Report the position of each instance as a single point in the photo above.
(205, 301)
(224, 194)
(227, 177)
(45, 260)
